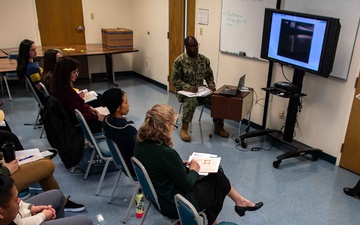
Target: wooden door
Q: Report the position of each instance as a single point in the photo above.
(177, 30)
(350, 157)
(61, 22)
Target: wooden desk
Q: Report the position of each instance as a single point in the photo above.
(7, 65)
(86, 50)
(231, 107)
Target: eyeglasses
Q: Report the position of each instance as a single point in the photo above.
(175, 126)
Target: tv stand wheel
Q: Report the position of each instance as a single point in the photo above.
(276, 164)
(237, 140)
(315, 157)
(243, 144)
(247, 129)
(210, 136)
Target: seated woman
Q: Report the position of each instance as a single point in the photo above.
(44, 208)
(28, 66)
(61, 86)
(170, 176)
(115, 125)
(28, 174)
(50, 58)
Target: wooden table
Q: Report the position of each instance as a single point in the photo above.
(85, 50)
(7, 65)
(231, 107)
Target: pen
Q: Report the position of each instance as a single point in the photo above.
(27, 157)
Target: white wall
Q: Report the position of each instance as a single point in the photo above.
(150, 20)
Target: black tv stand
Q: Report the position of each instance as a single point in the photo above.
(286, 137)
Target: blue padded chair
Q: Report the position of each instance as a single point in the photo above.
(188, 214)
(147, 188)
(98, 145)
(120, 163)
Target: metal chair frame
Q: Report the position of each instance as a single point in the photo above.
(120, 163)
(103, 151)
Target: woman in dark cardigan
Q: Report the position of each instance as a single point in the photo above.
(170, 176)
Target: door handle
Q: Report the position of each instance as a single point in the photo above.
(80, 29)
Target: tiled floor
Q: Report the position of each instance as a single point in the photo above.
(299, 192)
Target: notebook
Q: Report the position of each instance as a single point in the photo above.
(230, 91)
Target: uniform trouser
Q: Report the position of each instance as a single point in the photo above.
(56, 200)
(190, 104)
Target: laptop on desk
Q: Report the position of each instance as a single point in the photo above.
(231, 91)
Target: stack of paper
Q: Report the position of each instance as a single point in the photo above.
(202, 92)
(209, 163)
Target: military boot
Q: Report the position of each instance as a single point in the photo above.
(219, 129)
(184, 132)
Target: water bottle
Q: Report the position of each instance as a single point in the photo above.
(8, 149)
(139, 204)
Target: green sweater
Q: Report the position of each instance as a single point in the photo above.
(168, 175)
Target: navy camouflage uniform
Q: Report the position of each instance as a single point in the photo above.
(187, 73)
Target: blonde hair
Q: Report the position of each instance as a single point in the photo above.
(155, 128)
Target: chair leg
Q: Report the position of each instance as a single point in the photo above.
(7, 88)
(42, 131)
(145, 212)
(37, 119)
(181, 105)
(115, 186)
(102, 177)
(90, 163)
(72, 170)
(202, 109)
(131, 204)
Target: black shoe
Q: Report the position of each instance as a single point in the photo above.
(71, 206)
(351, 192)
(241, 210)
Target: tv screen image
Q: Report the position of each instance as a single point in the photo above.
(303, 41)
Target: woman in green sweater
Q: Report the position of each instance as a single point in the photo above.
(171, 175)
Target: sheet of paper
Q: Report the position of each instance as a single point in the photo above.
(209, 163)
(102, 110)
(29, 155)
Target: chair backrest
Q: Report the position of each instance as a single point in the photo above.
(119, 160)
(45, 91)
(145, 182)
(103, 152)
(187, 213)
(13, 54)
(34, 92)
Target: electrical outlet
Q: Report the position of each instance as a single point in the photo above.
(281, 114)
(146, 63)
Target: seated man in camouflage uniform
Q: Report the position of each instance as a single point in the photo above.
(189, 71)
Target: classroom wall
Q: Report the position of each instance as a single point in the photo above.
(150, 20)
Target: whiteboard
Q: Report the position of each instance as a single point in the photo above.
(242, 25)
(348, 11)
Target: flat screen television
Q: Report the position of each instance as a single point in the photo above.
(302, 41)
